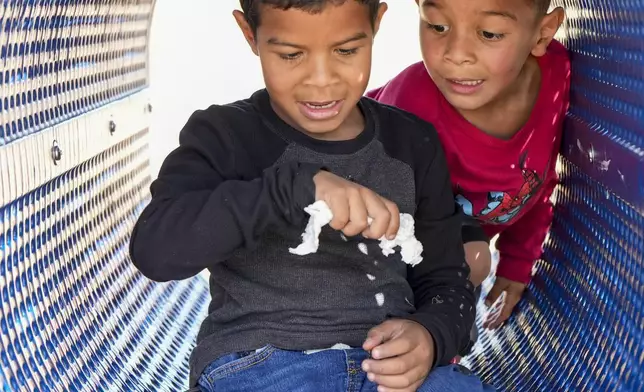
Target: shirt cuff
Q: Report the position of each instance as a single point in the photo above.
(517, 270)
(473, 233)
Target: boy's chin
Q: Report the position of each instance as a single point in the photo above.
(321, 129)
(466, 104)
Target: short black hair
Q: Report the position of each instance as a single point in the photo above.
(542, 5)
(251, 8)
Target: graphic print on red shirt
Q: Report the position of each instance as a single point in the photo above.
(505, 184)
(502, 207)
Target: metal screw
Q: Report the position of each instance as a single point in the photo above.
(112, 127)
(149, 108)
(56, 152)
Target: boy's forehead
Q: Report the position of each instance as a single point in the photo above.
(512, 9)
(331, 23)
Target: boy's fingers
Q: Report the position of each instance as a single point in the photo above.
(380, 334)
(357, 215)
(493, 295)
(374, 338)
(380, 214)
(392, 348)
(502, 318)
(340, 209)
(389, 366)
(510, 303)
(394, 221)
(494, 311)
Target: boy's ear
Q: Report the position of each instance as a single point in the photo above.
(548, 27)
(240, 18)
(382, 8)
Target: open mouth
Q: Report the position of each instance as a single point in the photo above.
(471, 83)
(320, 110)
(320, 105)
(465, 86)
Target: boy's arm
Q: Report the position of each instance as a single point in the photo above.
(201, 211)
(443, 294)
(521, 244)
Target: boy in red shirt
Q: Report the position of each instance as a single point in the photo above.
(495, 85)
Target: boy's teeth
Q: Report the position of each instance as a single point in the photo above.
(323, 106)
(468, 82)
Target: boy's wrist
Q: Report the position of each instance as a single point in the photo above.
(437, 338)
(303, 184)
(515, 269)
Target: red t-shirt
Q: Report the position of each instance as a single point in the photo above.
(505, 184)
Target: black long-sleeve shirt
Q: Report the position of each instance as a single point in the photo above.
(231, 199)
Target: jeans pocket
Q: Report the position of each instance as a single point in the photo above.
(235, 363)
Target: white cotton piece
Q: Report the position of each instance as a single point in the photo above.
(320, 215)
(363, 248)
(410, 248)
(380, 299)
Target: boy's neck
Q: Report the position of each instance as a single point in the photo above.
(505, 116)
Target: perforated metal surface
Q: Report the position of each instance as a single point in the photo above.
(581, 325)
(75, 315)
(605, 132)
(60, 59)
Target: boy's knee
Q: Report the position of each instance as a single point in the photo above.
(479, 258)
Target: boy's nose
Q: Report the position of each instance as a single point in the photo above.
(322, 72)
(459, 50)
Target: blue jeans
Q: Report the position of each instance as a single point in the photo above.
(274, 370)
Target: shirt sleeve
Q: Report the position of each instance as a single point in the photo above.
(443, 294)
(201, 210)
(521, 244)
(472, 230)
(375, 93)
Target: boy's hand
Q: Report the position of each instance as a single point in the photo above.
(513, 293)
(403, 354)
(352, 205)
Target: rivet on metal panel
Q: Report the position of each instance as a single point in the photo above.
(56, 152)
(112, 127)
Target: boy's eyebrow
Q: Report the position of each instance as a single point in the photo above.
(355, 37)
(503, 14)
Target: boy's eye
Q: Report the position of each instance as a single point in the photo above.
(491, 36)
(290, 56)
(347, 52)
(440, 29)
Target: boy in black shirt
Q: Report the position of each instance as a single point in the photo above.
(231, 199)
